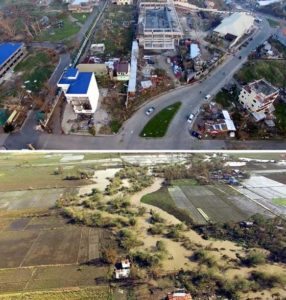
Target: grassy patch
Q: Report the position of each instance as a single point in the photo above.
(273, 23)
(99, 293)
(180, 182)
(158, 125)
(115, 126)
(273, 71)
(58, 34)
(115, 31)
(31, 61)
(29, 177)
(280, 113)
(37, 69)
(163, 200)
(223, 98)
(279, 201)
(81, 17)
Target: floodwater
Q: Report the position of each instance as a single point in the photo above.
(100, 179)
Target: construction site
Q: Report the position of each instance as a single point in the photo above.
(158, 25)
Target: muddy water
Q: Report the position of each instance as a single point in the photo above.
(225, 247)
(100, 179)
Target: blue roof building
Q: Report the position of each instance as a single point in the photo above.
(80, 89)
(7, 50)
(10, 54)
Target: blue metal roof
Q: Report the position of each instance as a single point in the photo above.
(7, 50)
(78, 85)
(71, 72)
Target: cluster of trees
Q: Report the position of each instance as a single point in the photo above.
(265, 233)
(138, 179)
(127, 239)
(80, 174)
(199, 169)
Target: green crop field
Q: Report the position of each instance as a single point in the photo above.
(279, 201)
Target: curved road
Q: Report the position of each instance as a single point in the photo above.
(177, 137)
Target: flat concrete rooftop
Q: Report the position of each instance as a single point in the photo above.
(158, 18)
(264, 87)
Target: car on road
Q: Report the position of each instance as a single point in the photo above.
(190, 118)
(239, 57)
(149, 111)
(196, 135)
(207, 97)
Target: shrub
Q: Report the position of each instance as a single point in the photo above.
(266, 281)
(155, 218)
(146, 259)
(128, 240)
(156, 229)
(109, 255)
(141, 211)
(161, 246)
(254, 258)
(204, 258)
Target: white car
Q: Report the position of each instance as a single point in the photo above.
(207, 97)
(190, 118)
(149, 111)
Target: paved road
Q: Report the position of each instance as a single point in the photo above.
(177, 137)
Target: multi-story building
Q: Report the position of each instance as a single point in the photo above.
(258, 97)
(81, 6)
(159, 27)
(81, 90)
(123, 2)
(10, 55)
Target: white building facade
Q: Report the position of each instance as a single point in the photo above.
(258, 96)
(81, 90)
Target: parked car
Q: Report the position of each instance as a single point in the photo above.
(190, 118)
(239, 57)
(207, 97)
(196, 135)
(149, 111)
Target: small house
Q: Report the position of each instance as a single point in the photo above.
(122, 269)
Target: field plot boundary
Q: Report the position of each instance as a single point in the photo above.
(182, 202)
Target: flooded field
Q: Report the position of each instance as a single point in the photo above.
(17, 200)
(215, 203)
(101, 179)
(266, 192)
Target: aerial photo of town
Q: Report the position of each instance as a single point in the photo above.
(142, 74)
(174, 226)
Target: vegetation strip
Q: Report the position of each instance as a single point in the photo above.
(158, 125)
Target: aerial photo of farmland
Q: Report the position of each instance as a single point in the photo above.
(124, 226)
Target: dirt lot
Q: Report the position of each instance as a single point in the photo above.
(219, 203)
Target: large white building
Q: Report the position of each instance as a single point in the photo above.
(235, 26)
(81, 90)
(258, 97)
